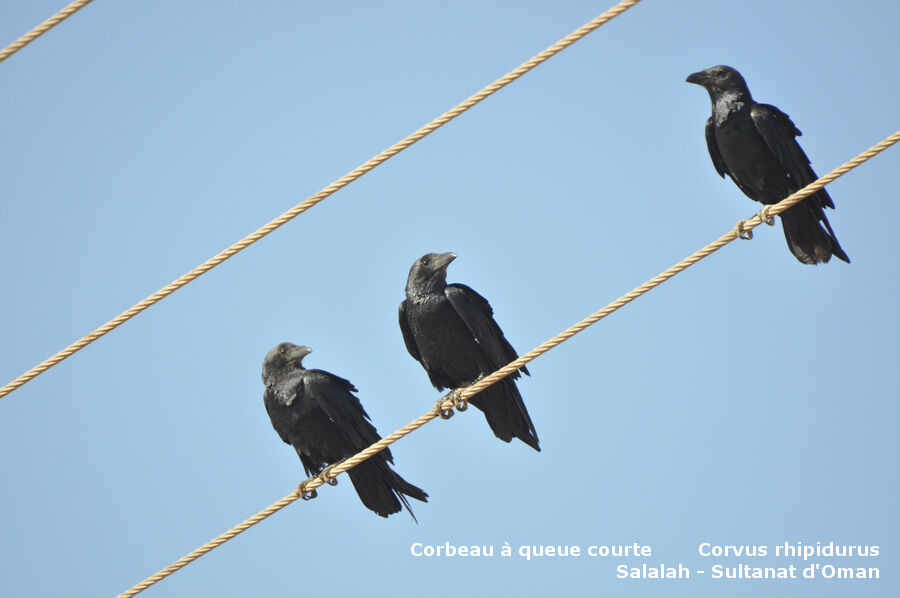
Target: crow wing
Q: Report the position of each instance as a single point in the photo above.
(270, 400)
(779, 132)
(408, 337)
(334, 395)
(478, 316)
(713, 147)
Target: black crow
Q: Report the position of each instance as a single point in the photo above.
(755, 145)
(450, 330)
(317, 413)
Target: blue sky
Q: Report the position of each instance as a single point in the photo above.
(751, 400)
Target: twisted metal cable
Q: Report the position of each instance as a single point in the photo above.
(42, 29)
(321, 195)
(459, 397)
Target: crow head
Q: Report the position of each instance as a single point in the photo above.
(719, 79)
(429, 272)
(283, 358)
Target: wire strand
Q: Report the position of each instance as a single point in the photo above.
(321, 195)
(446, 404)
(42, 28)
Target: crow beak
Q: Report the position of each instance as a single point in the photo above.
(298, 353)
(444, 260)
(699, 78)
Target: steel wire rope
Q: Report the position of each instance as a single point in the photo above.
(321, 195)
(459, 397)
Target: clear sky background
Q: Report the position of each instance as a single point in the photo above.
(751, 400)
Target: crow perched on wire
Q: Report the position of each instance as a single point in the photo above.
(317, 413)
(450, 330)
(755, 145)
